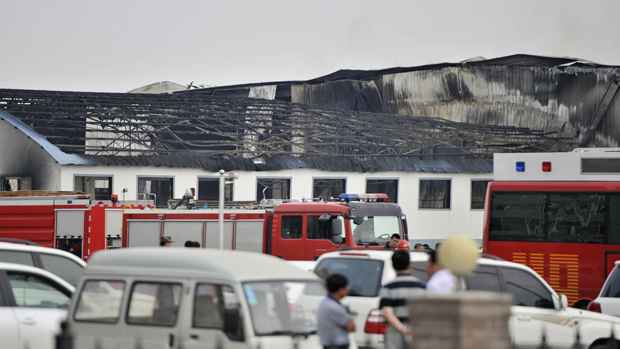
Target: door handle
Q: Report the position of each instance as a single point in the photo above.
(171, 340)
(29, 322)
(194, 336)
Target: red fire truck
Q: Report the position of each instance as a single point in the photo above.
(559, 213)
(291, 230)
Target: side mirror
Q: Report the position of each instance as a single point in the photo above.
(563, 301)
(358, 220)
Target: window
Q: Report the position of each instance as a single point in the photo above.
(24, 258)
(65, 268)
(418, 269)
(99, 187)
(291, 227)
(328, 188)
(273, 188)
(484, 278)
(434, 193)
(478, 191)
(218, 307)
(154, 304)
(364, 275)
(526, 290)
(387, 186)
(326, 227)
(612, 289)
(209, 190)
(34, 291)
(100, 301)
(375, 229)
(555, 217)
(154, 188)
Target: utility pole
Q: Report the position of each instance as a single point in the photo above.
(221, 209)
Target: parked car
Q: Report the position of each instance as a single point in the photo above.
(536, 305)
(64, 264)
(33, 302)
(608, 300)
(194, 298)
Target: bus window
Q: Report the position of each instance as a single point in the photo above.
(576, 217)
(517, 216)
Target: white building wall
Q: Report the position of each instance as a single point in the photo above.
(21, 156)
(424, 224)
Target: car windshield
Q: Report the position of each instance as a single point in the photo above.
(375, 229)
(284, 308)
(364, 275)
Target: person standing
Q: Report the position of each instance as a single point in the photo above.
(334, 321)
(394, 298)
(440, 279)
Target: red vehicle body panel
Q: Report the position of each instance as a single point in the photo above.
(575, 269)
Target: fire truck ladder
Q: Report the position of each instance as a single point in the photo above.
(601, 110)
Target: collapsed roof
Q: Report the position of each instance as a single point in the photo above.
(193, 130)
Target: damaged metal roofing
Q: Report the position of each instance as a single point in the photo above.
(197, 131)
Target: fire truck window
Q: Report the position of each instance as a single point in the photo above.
(326, 229)
(65, 268)
(484, 279)
(478, 191)
(613, 231)
(100, 301)
(291, 227)
(273, 188)
(156, 188)
(23, 258)
(154, 304)
(577, 217)
(100, 188)
(526, 290)
(612, 289)
(434, 194)
(327, 188)
(517, 217)
(387, 186)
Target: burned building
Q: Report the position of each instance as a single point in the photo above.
(574, 97)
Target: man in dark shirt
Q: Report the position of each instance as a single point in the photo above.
(394, 298)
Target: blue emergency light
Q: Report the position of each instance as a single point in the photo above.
(520, 166)
(348, 197)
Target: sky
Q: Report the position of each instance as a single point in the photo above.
(116, 46)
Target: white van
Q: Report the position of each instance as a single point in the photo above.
(194, 298)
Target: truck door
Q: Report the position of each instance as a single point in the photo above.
(324, 233)
(287, 237)
(182, 231)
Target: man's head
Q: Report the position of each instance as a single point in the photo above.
(419, 247)
(337, 285)
(394, 240)
(165, 241)
(401, 260)
(433, 264)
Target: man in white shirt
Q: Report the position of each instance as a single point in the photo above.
(440, 279)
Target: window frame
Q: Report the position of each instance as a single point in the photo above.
(344, 189)
(439, 179)
(138, 177)
(120, 308)
(12, 301)
(471, 193)
(287, 178)
(303, 227)
(152, 282)
(96, 176)
(215, 178)
(396, 179)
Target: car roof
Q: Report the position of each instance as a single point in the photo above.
(416, 256)
(166, 261)
(39, 249)
(38, 271)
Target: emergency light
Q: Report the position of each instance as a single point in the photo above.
(374, 197)
(520, 166)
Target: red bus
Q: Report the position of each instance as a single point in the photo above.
(559, 213)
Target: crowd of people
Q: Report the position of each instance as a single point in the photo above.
(335, 322)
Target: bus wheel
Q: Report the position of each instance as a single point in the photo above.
(581, 304)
